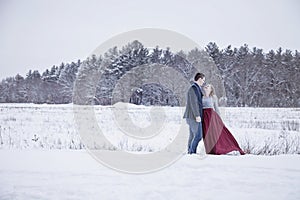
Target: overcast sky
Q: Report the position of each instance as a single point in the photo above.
(37, 34)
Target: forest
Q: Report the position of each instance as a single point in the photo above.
(243, 77)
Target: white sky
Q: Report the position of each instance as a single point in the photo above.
(36, 34)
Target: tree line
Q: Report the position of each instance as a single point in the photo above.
(250, 77)
(257, 79)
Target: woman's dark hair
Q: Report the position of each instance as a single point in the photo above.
(198, 75)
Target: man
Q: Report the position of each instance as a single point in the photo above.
(194, 112)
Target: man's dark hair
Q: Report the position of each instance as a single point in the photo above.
(199, 75)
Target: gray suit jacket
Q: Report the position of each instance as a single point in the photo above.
(193, 103)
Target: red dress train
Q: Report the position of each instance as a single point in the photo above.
(217, 138)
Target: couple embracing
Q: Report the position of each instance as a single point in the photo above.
(202, 116)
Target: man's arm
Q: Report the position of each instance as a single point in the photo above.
(194, 103)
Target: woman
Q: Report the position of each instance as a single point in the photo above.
(217, 138)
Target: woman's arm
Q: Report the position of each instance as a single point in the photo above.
(216, 105)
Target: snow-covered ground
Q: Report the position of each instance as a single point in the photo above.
(73, 174)
(42, 155)
(267, 131)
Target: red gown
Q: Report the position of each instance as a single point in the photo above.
(217, 138)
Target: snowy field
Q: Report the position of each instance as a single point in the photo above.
(73, 174)
(43, 157)
(262, 131)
